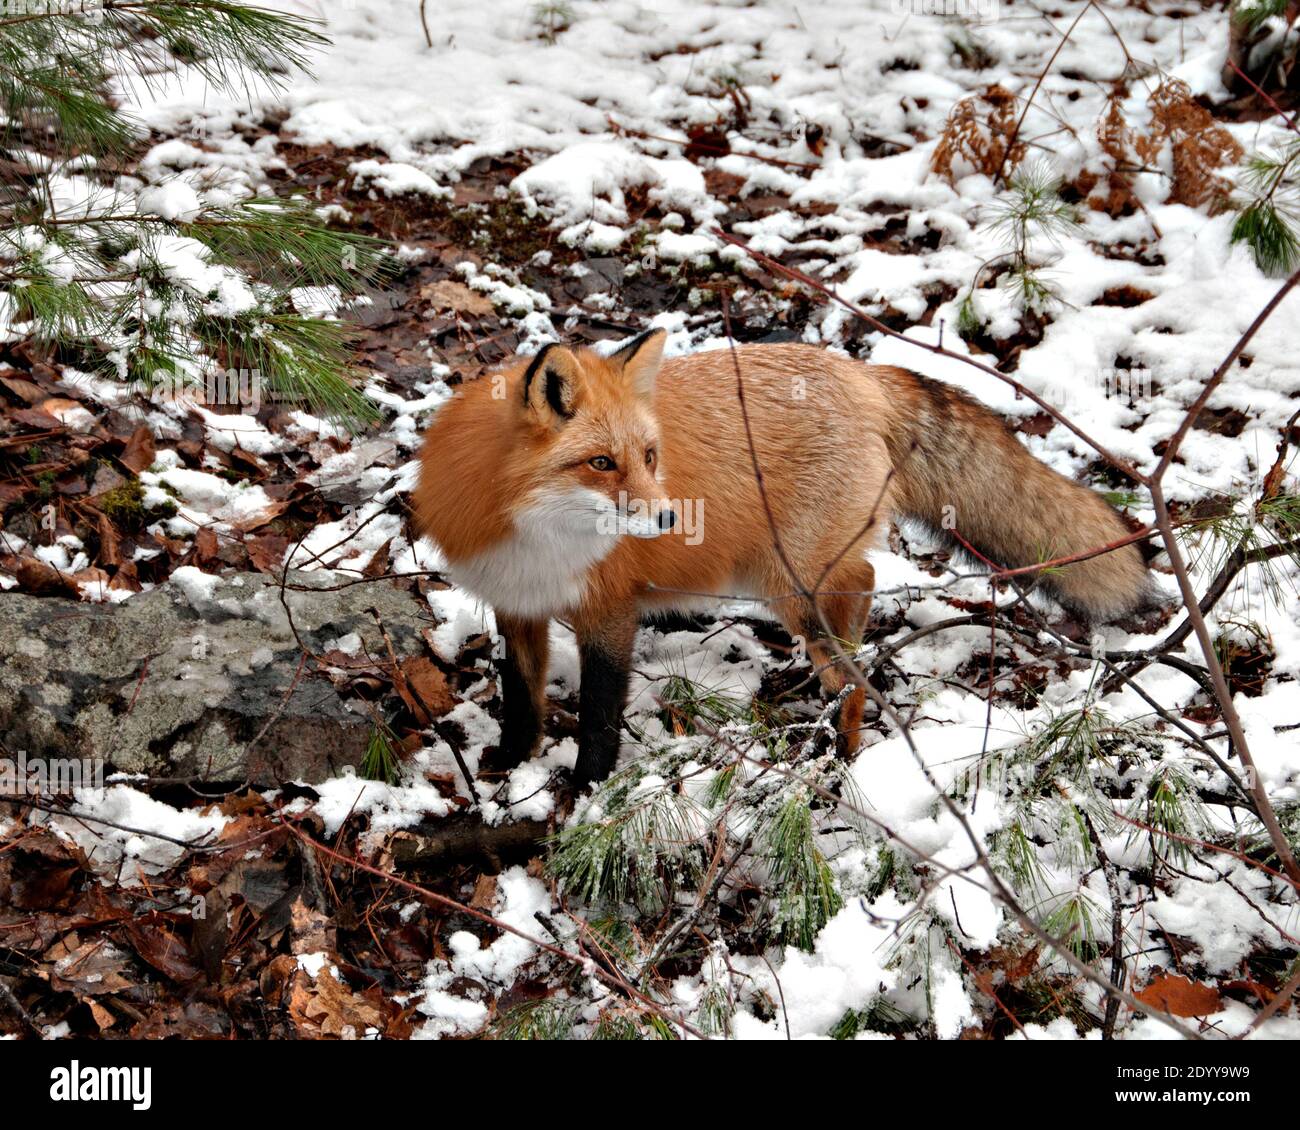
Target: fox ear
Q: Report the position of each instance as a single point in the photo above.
(640, 359)
(551, 385)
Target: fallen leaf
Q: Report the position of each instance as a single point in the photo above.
(1180, 997)
(276, 978)
(377, 566)
(238, 454)
(451, 295)
(27, 390)
(91, 583)
(205, 546)
(267, 552)
(109, 547)
(327, 1007)
(721, 183)
(138, 454)
(125, 579)
(35, 418)
(103, 1018)
(36, 576)
(105, 479)
(485, 893)
(157, 945)
(259, 882)
(252, 521)
(89, 969)
(67, 412)
(424, 688)
(312, 931)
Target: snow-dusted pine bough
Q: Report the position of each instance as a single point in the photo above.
(206, 288)
(747, 831)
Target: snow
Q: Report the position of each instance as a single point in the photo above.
(313, 963)
(389, 807)
(846, 970)
(587, 181)
(172, 200)
(206, 500)
(519, 899)
(1217, 913)
(129, 853)
(396, 178)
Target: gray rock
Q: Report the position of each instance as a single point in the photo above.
(221, 658)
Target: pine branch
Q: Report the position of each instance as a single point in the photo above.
(166, 297)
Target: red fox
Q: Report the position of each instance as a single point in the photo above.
(562, 486)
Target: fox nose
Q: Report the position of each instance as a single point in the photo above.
(667, 519)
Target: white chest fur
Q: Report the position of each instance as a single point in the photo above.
(541, 569)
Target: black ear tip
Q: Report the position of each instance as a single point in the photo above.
(630, 350)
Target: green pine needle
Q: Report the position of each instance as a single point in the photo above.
(1271, 236)
(381, 762)
(1255, 13)
(284, 242)
(103, 285)
(547, 1019)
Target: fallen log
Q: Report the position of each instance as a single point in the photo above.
(464, 836)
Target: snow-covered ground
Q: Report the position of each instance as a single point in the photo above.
(872, 85)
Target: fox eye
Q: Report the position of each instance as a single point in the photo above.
(603, 463)
(650, 457)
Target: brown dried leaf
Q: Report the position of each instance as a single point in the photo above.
(126, 579)
(451, 295)
(94, 580)
(329, 1008)
(1181, 997)
(102, 1017)
(35, 418)
(88, 969)
(138, 454)
(205, 546)
(485, 893)
(267, 552)
(272, 511)
(377, 566)
(161, 948)
(424, 688)
(311, 930)
(68, 412)
(978, 132)
(24, 389)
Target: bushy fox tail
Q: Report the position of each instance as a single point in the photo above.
(961, 470)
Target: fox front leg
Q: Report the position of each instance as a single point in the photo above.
(522, 670)
(605, 650)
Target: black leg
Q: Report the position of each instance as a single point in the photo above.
(522, 671)
(606, 663)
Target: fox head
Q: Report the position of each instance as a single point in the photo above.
(589, 425)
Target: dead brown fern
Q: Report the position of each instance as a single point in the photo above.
(1198, 150)
(1199, 146)
(978, 132)
(1113, 192)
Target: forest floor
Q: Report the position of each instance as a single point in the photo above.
(567, 172)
